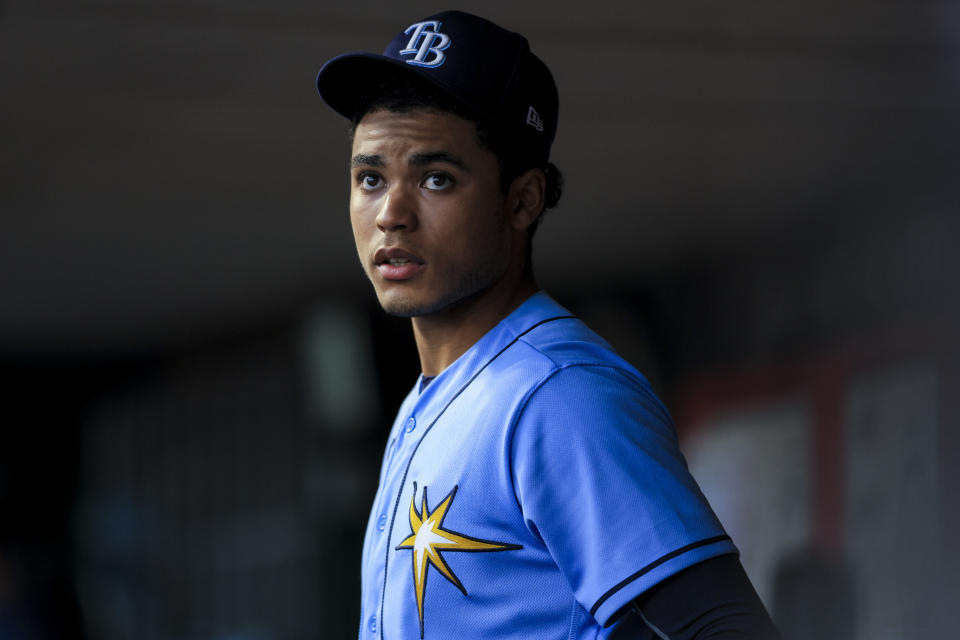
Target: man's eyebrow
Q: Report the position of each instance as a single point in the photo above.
(361, 160)
(429, 157)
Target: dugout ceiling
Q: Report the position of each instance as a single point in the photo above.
(169, 173)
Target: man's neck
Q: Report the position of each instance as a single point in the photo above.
(443, 337)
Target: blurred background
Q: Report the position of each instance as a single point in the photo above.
(196, 382)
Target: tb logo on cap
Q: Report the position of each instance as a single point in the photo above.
(424, 42)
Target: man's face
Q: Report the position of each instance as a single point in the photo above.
(427, 211)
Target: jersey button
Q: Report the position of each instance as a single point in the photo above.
(373, 624)
(411, 424)
(382, 521)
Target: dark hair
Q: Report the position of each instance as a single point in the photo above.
(402, 93)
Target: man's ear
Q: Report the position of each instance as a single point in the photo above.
(525, 199)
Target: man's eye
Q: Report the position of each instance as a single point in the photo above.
(370, 181)
(438, 182)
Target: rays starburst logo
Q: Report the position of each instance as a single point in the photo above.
(428, 541)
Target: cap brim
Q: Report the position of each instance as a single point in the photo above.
(342, 80)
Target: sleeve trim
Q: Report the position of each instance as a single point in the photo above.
(653, 565)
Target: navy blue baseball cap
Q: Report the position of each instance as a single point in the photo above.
(484, 67)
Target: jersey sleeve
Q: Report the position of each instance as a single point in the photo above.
(600, 479)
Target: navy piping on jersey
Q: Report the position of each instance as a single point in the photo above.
(403, 480)
(653, 565)
(425, 382)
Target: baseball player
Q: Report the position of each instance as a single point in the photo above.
(531, 485)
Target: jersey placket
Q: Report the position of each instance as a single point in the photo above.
(401, 444)
(417, 420)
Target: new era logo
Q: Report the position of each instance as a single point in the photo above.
(534, 120)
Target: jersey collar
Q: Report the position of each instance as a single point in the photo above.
(533, 311)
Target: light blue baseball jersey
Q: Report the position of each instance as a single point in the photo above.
(532, 490)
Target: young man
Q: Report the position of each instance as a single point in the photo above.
(532, 486)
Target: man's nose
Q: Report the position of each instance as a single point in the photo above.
(397, 210)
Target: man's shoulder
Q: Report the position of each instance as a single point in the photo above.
(567, 341)
(552, 341)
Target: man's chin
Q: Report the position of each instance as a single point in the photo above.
(408, 307)
(401, 312)
(405, 307)
(414, 303)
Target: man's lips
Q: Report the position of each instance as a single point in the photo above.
(397, 264)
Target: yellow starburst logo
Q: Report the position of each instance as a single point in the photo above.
(428, 539)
